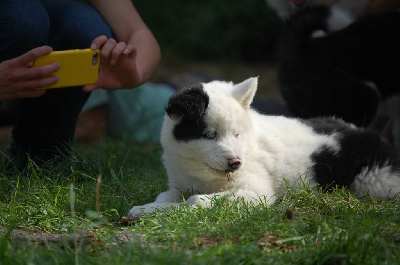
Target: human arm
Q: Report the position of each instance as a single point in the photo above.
(18, 79)
(133, 57)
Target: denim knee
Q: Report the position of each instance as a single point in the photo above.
(24, 25)
(74, 25)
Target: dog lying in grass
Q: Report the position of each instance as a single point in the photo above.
(210, 132)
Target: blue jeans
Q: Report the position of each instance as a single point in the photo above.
(46, 125)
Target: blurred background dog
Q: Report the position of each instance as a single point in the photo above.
(335, 60)
(286, 8)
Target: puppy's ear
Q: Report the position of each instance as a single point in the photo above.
(245, 91)
(174, 109)
(189, 104)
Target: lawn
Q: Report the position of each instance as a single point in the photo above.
(72, 212)
(63, 214)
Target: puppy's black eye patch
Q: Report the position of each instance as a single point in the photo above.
(190, 105)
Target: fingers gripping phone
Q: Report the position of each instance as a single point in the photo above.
(78, 67)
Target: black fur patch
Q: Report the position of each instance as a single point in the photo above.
(358, 149)
(190, 105)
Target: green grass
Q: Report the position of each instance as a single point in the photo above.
(328, 228)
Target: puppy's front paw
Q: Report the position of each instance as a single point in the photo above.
(199, 200)
(138, 211)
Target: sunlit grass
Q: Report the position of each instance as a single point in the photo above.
(308, 226)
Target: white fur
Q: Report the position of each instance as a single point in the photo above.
(337, 20)
(275, 151)
(318, 34)
(286, 8)
(378, 181)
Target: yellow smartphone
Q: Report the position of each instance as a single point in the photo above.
(78, 67)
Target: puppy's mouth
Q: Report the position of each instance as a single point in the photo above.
(233, 165)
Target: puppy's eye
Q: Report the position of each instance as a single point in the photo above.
(211, 135)
(237, 136)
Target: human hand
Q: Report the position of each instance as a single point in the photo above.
(19, 79)
(118, 67)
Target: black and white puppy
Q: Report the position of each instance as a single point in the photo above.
(331, 65)
(211, 135)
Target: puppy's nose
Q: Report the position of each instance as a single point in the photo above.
(234, 163)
